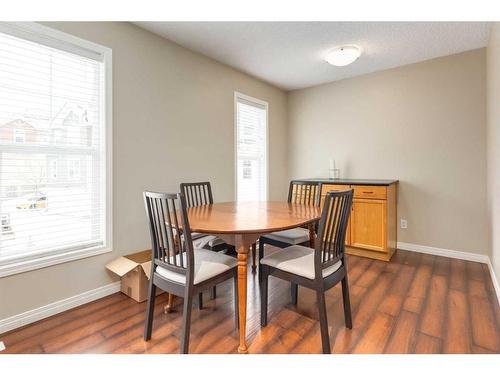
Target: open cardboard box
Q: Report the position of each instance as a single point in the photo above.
(135, 271)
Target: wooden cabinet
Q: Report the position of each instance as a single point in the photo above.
(372, 229)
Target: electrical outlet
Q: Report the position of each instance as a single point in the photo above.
(2, 346)
(404, 224)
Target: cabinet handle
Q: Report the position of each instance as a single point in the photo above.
(367, 192)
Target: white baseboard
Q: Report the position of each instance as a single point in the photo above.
(57, 307)
(456, 255)
(444, 252)
(494, 280)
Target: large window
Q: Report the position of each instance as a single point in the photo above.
(55, 147)
(251, 148)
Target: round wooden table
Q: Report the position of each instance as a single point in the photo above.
(241, 224)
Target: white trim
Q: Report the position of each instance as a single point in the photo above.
(57, 307)
(58, 39)
(239, 95)
(494, 280)
(49, 260)
(53, 38)
(444, 252)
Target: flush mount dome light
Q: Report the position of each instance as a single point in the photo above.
(344, 55)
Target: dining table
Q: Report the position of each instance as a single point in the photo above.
(241, 224)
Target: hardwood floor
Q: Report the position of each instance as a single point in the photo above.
(417, 303)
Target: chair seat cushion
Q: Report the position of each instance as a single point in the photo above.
(196, 235)
(292, 236)
(298, 260)
(203, 239)
(207, 264)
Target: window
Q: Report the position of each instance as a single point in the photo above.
(19, 136)
(53, 169)
(73, 170)
(251, 148)
(55, 100)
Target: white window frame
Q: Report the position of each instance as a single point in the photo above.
(239, 95)
(58, 39)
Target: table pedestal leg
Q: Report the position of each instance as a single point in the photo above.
(312, 235)
(242, 242)
(242, 299)
(170, 304)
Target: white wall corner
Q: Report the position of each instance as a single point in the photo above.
(494, 280)
(57, 307)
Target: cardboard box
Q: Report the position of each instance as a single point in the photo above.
(135, 270)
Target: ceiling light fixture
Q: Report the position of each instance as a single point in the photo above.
(343, 55)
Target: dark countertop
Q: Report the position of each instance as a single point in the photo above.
(348, 181)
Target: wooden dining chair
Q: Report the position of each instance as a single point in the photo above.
(320, 268)
(200, 193)
(176, 267)
(302, 192)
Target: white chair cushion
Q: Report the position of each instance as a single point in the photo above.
(298, 260)
(216, 241)
(196, 235)
(202, 239)
(207, 264)
(292, 236)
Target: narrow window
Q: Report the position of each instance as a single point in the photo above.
(251, 148)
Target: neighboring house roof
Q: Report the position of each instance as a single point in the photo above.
(70, 114)
(18, 124)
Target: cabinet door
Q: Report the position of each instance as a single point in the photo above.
(368, 224)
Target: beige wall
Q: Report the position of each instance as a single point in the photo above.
(423, 124)
(173, 122)
(493, 136)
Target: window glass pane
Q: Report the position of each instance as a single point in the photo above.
(52, 154)
(251, 164)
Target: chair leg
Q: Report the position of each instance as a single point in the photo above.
(295, 293)
(263, 295)
(347, 303)
(236, 305)
(213, 292)
(148, 326)
(254, 251)
(323, 322)
(261, 255)
(200, 300)
(186, 322)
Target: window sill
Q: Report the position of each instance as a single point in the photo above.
(49, 260)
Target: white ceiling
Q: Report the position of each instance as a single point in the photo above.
(290, 55)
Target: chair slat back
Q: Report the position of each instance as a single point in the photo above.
(304, 192)
(330, 244)
(197, 193)
(171, 240)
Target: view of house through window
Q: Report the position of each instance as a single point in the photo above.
(251, 148)
(52, 150)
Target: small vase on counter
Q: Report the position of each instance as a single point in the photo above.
(333, 171)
